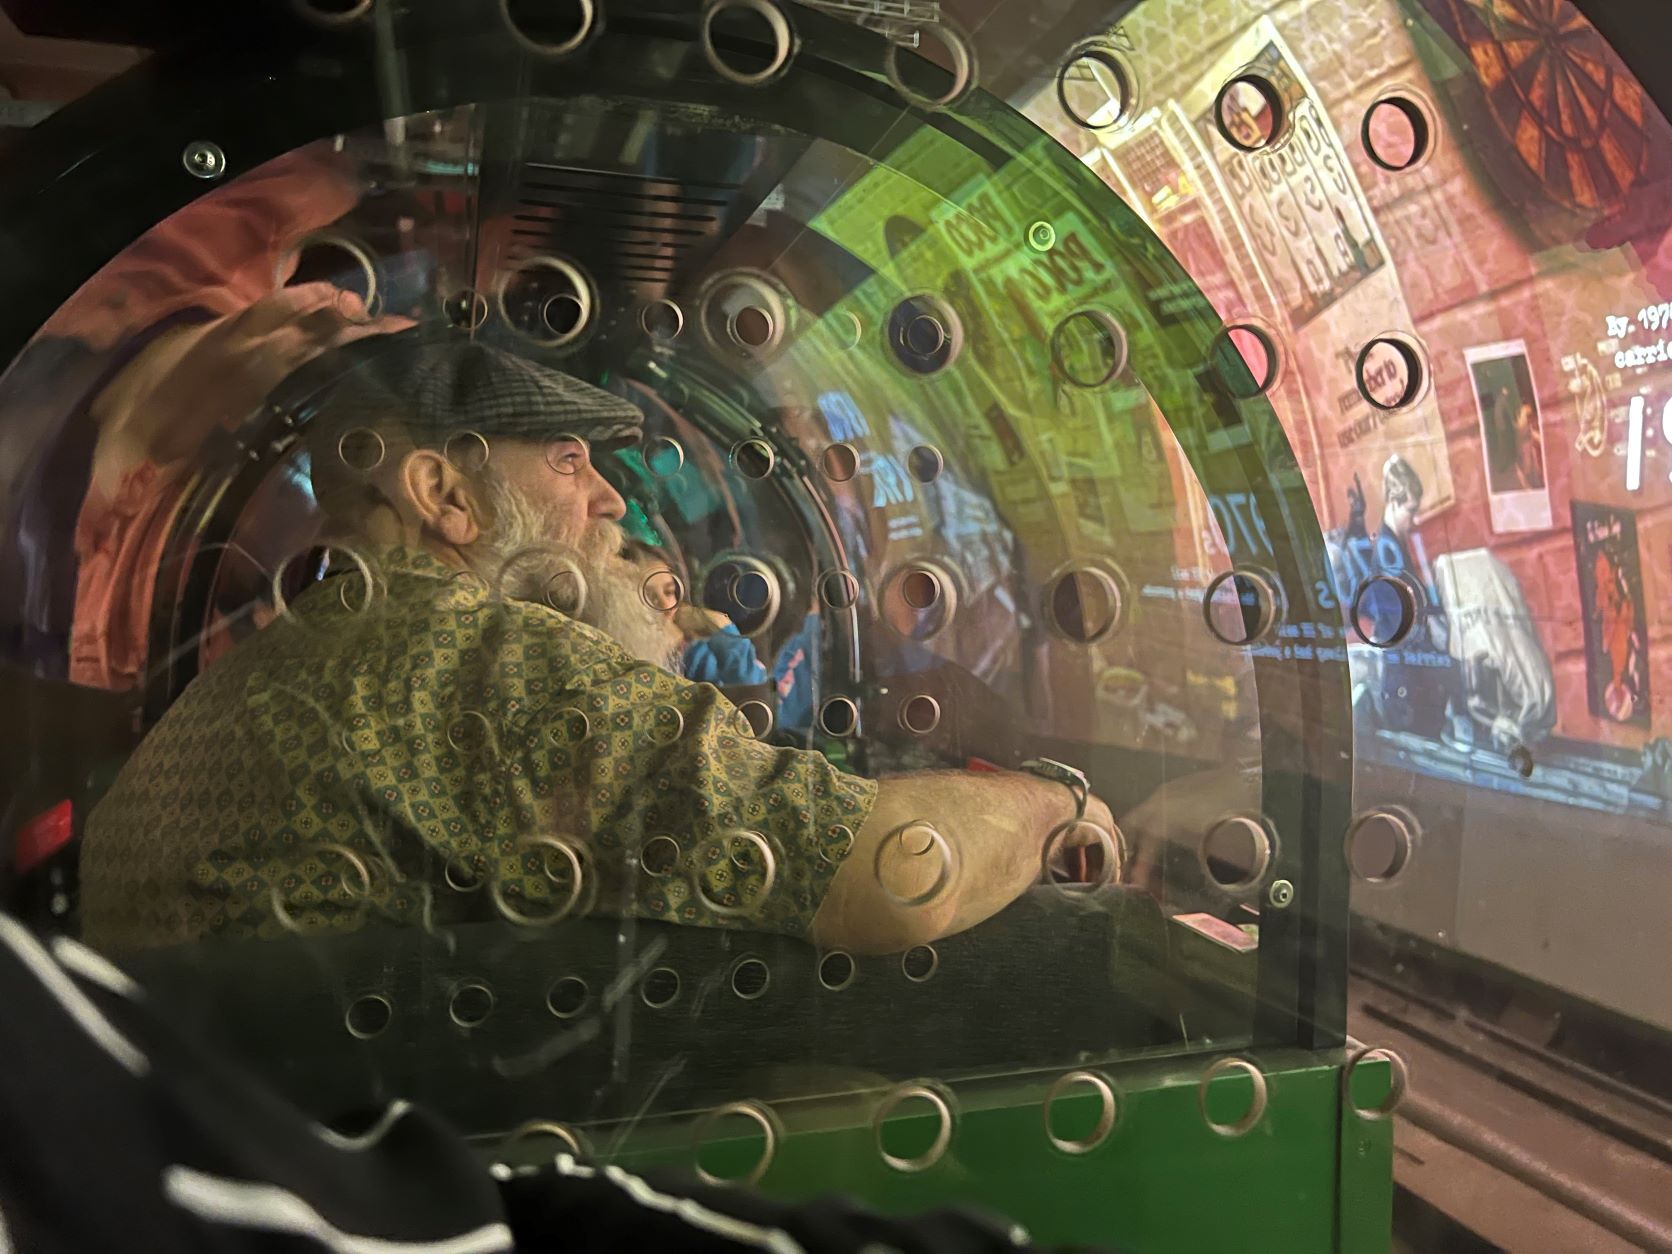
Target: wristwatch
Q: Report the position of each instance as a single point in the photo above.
(1061, 773)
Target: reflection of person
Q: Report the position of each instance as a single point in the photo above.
(200, 281)
(152, 421)
(414, 724)
(192, 1152)
(1529, 460)
(1413, 695)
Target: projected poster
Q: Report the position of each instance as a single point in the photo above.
(1616, 627)
(1524, 494)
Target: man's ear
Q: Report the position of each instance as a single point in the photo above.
(441, 498)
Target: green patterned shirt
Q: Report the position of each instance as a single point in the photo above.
(411, 750)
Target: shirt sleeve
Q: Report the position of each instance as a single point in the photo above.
(658, 790)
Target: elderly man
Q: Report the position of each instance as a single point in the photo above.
(433, 734)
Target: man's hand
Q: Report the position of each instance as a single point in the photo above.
(233, 363)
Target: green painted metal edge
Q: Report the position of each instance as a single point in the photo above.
(1310, 1174)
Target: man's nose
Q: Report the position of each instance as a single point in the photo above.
(606, 501)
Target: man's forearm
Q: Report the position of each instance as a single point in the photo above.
(901, 886)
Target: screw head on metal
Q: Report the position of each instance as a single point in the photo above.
(1042, 236)
(204, 159)
(1281, 893)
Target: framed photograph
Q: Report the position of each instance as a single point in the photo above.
(1512, 436)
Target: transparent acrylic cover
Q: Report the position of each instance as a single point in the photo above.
(672, 574)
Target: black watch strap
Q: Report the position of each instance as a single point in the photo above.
(1069, 777)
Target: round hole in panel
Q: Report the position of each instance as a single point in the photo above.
(913, 1127)
(839, 462)
(568, 454)
(915, 863)
(550, 28)
(368, 1016)
(839, 589)
(920, 589)
(743, 314)
(562, 866)
(1082, 856)
(572, 1139)
(344, 263)
(1371, 1098)
(1246, 359)
(847, 329)
(1042, 236)
(939, 73)
(745, 589)
(570, 726)
(470, 1004)
(564, 314)
(837, 970)
(547, 300)
(759, 716)
(1384, 610)
(296, 572)
(332, 12)
(735, 1143)
(754, 458)
(759, 42)
(1380, 842)
(1398, 131)
(750, 978)
(1088, 348)
(924, 334)
(919, 963)
(568, 996)
(925, 463)
(468, 451)
(1240, 606)
(1236, 852)
(660, 987)
(1096, 86)
(920, 714)
(662, 320)
(1232, 1096)
(362, 450)
(839, 717)
(462, 875)
(753, 589)
(1084, 604)
(660, 856)
(1390, 372)
(1250, 112)
(564, 590)
(837, 843)
(466, 309)
(724, 858)
(356, 875)
(1072, 1125)
(751, 327)
(667, 724)
(356, 591)
(470, 732)
(664, 457)
(662, 591)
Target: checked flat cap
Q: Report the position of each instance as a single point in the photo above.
(438, 388)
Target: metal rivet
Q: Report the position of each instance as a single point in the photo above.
(204, 159)
(1280, 894)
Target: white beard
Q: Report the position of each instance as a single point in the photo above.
(524, 556)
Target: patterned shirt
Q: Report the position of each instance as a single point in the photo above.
(400, 746)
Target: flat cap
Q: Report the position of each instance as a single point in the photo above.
(438, 388)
